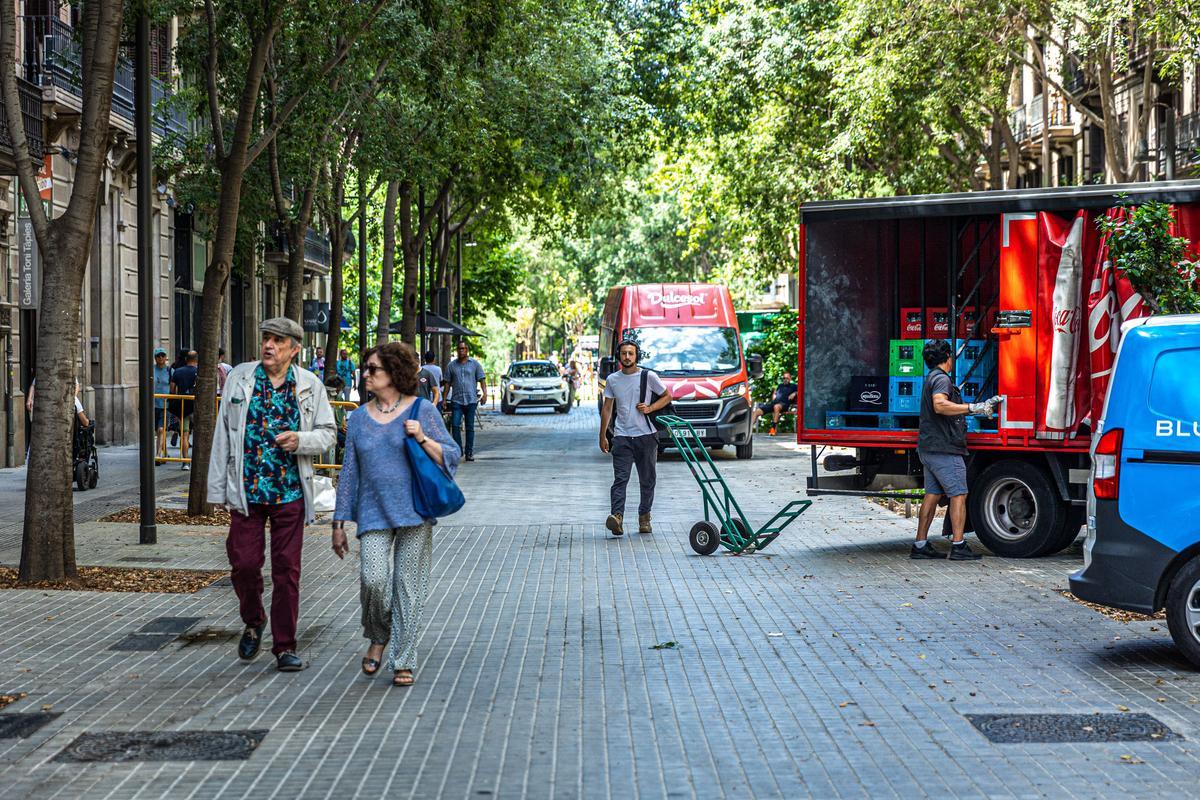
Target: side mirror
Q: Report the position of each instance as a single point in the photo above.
(754, 366)
(608, 365)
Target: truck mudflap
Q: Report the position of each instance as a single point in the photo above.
(1126, 565)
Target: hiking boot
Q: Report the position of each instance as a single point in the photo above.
(928, 551)
(644, 524)
(961, 551)
(613, 523)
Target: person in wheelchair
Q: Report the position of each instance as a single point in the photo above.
(84, 457)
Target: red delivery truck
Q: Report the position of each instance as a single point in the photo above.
(1020, 281)
(688, 334)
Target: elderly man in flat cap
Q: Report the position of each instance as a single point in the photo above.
(274, 418)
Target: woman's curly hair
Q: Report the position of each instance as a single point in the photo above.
(400, 362)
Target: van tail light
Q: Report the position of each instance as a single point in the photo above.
(1106, 466)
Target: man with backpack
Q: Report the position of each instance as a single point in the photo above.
(635, 394)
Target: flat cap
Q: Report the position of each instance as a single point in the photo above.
(283, 326)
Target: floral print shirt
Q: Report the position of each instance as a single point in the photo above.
(269, 472)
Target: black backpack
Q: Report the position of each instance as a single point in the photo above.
(665, 411)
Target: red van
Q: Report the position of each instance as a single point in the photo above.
(688, 334)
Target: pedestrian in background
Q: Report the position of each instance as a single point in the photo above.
(375, 492)
(635, 440)
(183, 381)
(223, 370)
(431, 366)
(162, 385)
(318, 362)
(347, 370)
(275, 418)
(462, 376)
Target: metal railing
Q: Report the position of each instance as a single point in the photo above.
(1187, 139)
(1026, 121)
(53, 58)
(176, 407)
(316, 247)
(31, 116)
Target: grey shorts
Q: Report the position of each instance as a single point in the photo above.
(945, 473)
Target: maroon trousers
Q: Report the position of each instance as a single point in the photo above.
(245, 548)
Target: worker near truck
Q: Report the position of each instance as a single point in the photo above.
(942, 448)
(635, 439)
(783, 401)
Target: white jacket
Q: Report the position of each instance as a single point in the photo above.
(318, 431)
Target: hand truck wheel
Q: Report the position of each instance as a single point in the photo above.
(743, 530)
(705, 538)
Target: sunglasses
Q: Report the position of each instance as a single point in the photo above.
(372, 368)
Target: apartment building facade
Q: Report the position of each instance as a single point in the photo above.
(1060, 144)
(48, 71)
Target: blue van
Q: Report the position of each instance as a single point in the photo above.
(1143, 518)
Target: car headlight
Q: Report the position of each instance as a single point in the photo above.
(734, 390)
(515, 386)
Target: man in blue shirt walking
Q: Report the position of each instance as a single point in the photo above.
(462, 376)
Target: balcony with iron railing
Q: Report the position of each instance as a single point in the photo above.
(53, 58)
(1026, 121)
(31, 114)
(317, 252)
(1187, 139)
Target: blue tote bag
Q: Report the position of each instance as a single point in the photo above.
(435, 494)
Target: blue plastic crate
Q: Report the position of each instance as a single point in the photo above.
(904, 395)
(975, 359)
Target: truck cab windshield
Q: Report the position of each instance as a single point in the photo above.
(688, 350)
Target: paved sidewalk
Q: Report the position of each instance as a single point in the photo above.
(829, 665)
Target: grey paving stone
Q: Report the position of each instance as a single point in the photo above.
(827, 666)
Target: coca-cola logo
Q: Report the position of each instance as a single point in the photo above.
(675, 300)
(1066, 320)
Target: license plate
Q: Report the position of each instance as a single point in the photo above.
(701, 433)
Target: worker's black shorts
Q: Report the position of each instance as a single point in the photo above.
(769, 408)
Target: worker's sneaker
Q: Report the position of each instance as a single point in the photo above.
(771, 432)
(928, 551)
(961, 551)
(644, 524)
(613, 523)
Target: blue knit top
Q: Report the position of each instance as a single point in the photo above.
(375, 486)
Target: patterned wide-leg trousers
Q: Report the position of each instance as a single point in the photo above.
(394, 572)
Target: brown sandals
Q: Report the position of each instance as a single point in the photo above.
(403, 677)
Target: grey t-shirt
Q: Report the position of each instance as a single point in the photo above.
(940, 433)
(435, 371)
(425, 384)
(463, 378)
(624, 390)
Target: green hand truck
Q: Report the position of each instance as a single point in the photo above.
(731, 529)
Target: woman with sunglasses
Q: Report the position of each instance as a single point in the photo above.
(375, 492)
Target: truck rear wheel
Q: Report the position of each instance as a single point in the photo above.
(1183, 610)
(1076, 518)
(1016, 510)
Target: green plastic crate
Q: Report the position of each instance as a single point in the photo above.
(904, 358)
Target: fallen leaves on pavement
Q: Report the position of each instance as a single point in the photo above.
(8, 699)
(1114, 613)
(171, 516)
(664, 646)
(122, 579)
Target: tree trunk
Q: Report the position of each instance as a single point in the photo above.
(338, 227)
(216, 276)
(995, 165)
(1014, 150)
(410, 249)
(389, 262)
(48, 536)
(293, 306)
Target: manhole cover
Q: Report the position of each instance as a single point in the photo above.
(1055, 728)
(163, 746)
(20, 726)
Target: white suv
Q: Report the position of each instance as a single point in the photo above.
(527, 384)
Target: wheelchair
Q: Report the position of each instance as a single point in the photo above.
(85, 457)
